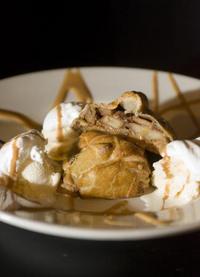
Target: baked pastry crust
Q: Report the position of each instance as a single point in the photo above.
(107, 167)
(128, 116)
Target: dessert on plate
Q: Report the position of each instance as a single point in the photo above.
(99, 150)
(128, 116)
(90, 150)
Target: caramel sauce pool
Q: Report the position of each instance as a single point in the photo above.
(117, 216)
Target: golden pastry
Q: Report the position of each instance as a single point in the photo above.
(107, 167)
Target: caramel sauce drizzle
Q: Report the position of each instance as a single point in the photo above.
(166, 168)
(179, 106)
(151, 219)
(13, 163)
(121, 208)
(19, 118)
(155, 92)
(179, 192)
(183, 101)
(184, 104)
(59, 131)
(166, 193)
(73, 81)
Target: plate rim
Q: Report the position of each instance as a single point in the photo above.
(90, 233)
(95, 234)
(96, 67)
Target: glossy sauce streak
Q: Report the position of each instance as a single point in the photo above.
(166, 193)
(155, 92)
(179, 192)
(166, 168)
(15, 155)
(59, 133)
(184, 104)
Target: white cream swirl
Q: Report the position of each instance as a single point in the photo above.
(57, 123)
(24, 157)
(176, 176)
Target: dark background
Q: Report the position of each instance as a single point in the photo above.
(150, 34)
(139, 33)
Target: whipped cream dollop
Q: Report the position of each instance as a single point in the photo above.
(57, 129)
(176, 176)
(24, 158)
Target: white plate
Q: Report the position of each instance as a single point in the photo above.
(33, 94)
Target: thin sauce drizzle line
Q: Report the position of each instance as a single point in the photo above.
(15, 155)
(183, 100)
(73, 81)
(19, 118)
(179, 106)
(155, 92)
(166, 169)
(184, 105)
(59, 132)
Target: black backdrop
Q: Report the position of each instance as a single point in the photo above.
(142, 33)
